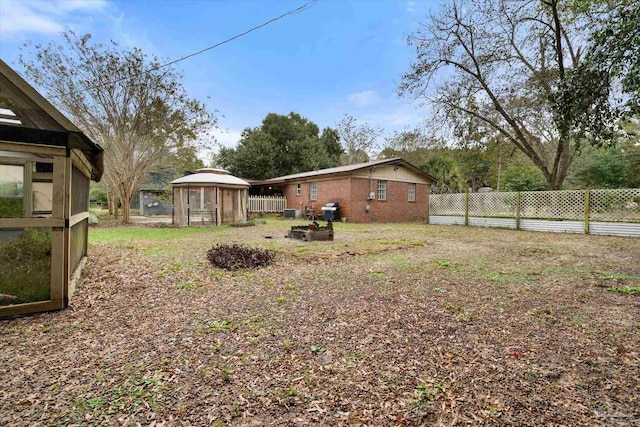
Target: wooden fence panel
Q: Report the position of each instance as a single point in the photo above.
(614, 212)
(267, 204)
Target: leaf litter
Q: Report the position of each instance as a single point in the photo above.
(517, 329)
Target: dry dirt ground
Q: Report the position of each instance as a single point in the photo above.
(388, 325)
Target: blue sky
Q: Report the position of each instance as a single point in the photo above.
(335, 58)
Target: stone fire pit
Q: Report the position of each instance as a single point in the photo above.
(311, 232)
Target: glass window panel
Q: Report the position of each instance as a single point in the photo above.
(382, 190)
(411, 189)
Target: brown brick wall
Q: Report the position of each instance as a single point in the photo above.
(335, 190)
(352, 194)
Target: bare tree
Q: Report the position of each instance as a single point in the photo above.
(502, 63)
(124, 100)
(360, 141)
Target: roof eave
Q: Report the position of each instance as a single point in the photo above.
(394, 161)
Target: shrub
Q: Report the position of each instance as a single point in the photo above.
(10, 207)
(242, 224)
(235, 257)
(25, 266)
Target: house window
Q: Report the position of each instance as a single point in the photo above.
(382, 190)
(298, 189)
(313, 191)
(411, 192)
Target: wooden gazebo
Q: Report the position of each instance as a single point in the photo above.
(46, 164)
(209, 197)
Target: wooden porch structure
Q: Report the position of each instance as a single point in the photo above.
(46, 164)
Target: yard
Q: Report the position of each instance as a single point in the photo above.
(390, 324)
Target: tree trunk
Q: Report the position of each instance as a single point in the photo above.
(557, 177)
(112, 204)
(126, 194)
(126, 212)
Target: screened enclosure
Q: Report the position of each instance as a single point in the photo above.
(46, 165)
(209, 197)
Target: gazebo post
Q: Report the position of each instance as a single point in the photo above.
(202, 204)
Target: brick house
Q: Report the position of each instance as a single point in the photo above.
(390, 190)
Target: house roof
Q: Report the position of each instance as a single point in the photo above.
(396, 161)
(212, 176)
(27, 117)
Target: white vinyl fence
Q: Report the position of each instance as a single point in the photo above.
(267, 203)
(611, 212)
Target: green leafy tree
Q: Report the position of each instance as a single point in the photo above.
(97, 192)
(331, 141)
(125, 100)
(281, 145)
(474, 167)
(610, 167)
(605, 87)
(523, 178)
(446, 171)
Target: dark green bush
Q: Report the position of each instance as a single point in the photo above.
(10, 207)
(243, 224)
(235, 257)
(25, 263)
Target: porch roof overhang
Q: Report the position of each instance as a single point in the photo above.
(27, 117)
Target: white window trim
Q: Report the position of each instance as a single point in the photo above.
(411, 195)
(298, 189)
(381, 194)
(313, 190)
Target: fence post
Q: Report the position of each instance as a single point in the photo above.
(587, 193)
(518, 210)
(466, 207)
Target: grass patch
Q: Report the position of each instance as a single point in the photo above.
(619, 276)
(119, 234)
(630, 290)
(443, 263)
(145, 392)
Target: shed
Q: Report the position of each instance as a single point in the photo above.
(46, 164)
(209, 197)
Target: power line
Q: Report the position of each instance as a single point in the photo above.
(302, 8)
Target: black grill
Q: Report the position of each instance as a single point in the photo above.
(331, 211)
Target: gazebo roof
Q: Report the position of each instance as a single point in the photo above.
(27, 117)
(210, 176)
